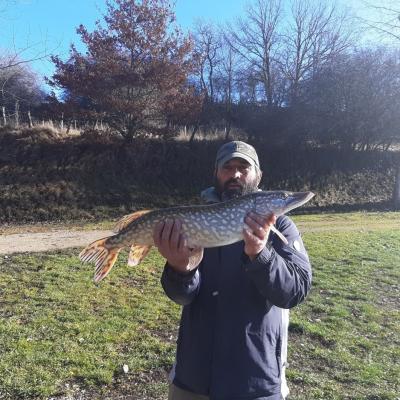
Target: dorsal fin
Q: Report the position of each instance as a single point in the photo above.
(127, 219)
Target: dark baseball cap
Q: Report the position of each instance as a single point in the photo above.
(237, 149)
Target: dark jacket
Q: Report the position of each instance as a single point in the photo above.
(230, 336)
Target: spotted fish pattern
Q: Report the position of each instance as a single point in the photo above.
(205, 226)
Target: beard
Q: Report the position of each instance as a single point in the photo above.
(227, 193)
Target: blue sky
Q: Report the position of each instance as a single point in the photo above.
(38, 26)
(48, 26)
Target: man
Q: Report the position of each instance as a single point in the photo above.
(232, 340)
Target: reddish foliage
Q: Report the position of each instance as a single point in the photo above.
(134, 74)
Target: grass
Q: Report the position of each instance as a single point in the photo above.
(355, 221)
(61, 335)
(58, 328)
(344, 341)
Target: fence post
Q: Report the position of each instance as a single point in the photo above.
(16, 113)
(30, 119)
(4, 115)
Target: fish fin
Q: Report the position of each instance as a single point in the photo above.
(137, 254)
(195, 257)
(127, 219)
(284, 240)
(103, 257)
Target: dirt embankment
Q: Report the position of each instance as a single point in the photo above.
(45, 176)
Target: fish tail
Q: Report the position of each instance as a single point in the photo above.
(102, 255)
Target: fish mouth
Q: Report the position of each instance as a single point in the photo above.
(298, 199)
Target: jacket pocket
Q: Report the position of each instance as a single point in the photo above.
(263, 359)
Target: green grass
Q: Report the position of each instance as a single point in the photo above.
(58, 328)
(60, 334)
(345, 338)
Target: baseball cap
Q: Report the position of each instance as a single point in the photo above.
(237, 149)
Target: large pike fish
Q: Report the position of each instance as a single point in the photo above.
(204, 226)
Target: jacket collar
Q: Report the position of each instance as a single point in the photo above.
(210, 195)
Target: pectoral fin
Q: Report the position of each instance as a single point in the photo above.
(137, 254)
(284, 240)
(195, 258)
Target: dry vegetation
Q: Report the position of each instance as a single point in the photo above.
(47, 175)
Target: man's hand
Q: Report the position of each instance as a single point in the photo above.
(256, 237)
(173, 246)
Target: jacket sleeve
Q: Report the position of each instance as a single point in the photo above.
(181, 289)
(282, 273)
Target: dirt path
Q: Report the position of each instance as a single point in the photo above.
(40, 238)
(47, 241)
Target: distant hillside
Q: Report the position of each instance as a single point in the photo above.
(46, 176)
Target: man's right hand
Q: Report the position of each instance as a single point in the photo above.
(172, 245)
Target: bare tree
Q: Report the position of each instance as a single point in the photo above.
(387, 23)
(353, 101)
(226, 81)
(18, 55)
(19, 90)
(208, 47)
(386, 20)
(316, 34)
(255, 38)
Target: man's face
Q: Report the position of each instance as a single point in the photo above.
(236, 178)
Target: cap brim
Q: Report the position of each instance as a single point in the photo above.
(229, 157)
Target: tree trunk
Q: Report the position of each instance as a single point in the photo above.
(396, 191)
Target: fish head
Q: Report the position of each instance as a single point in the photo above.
(279, 202)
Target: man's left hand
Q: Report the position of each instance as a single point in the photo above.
(256, 235)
